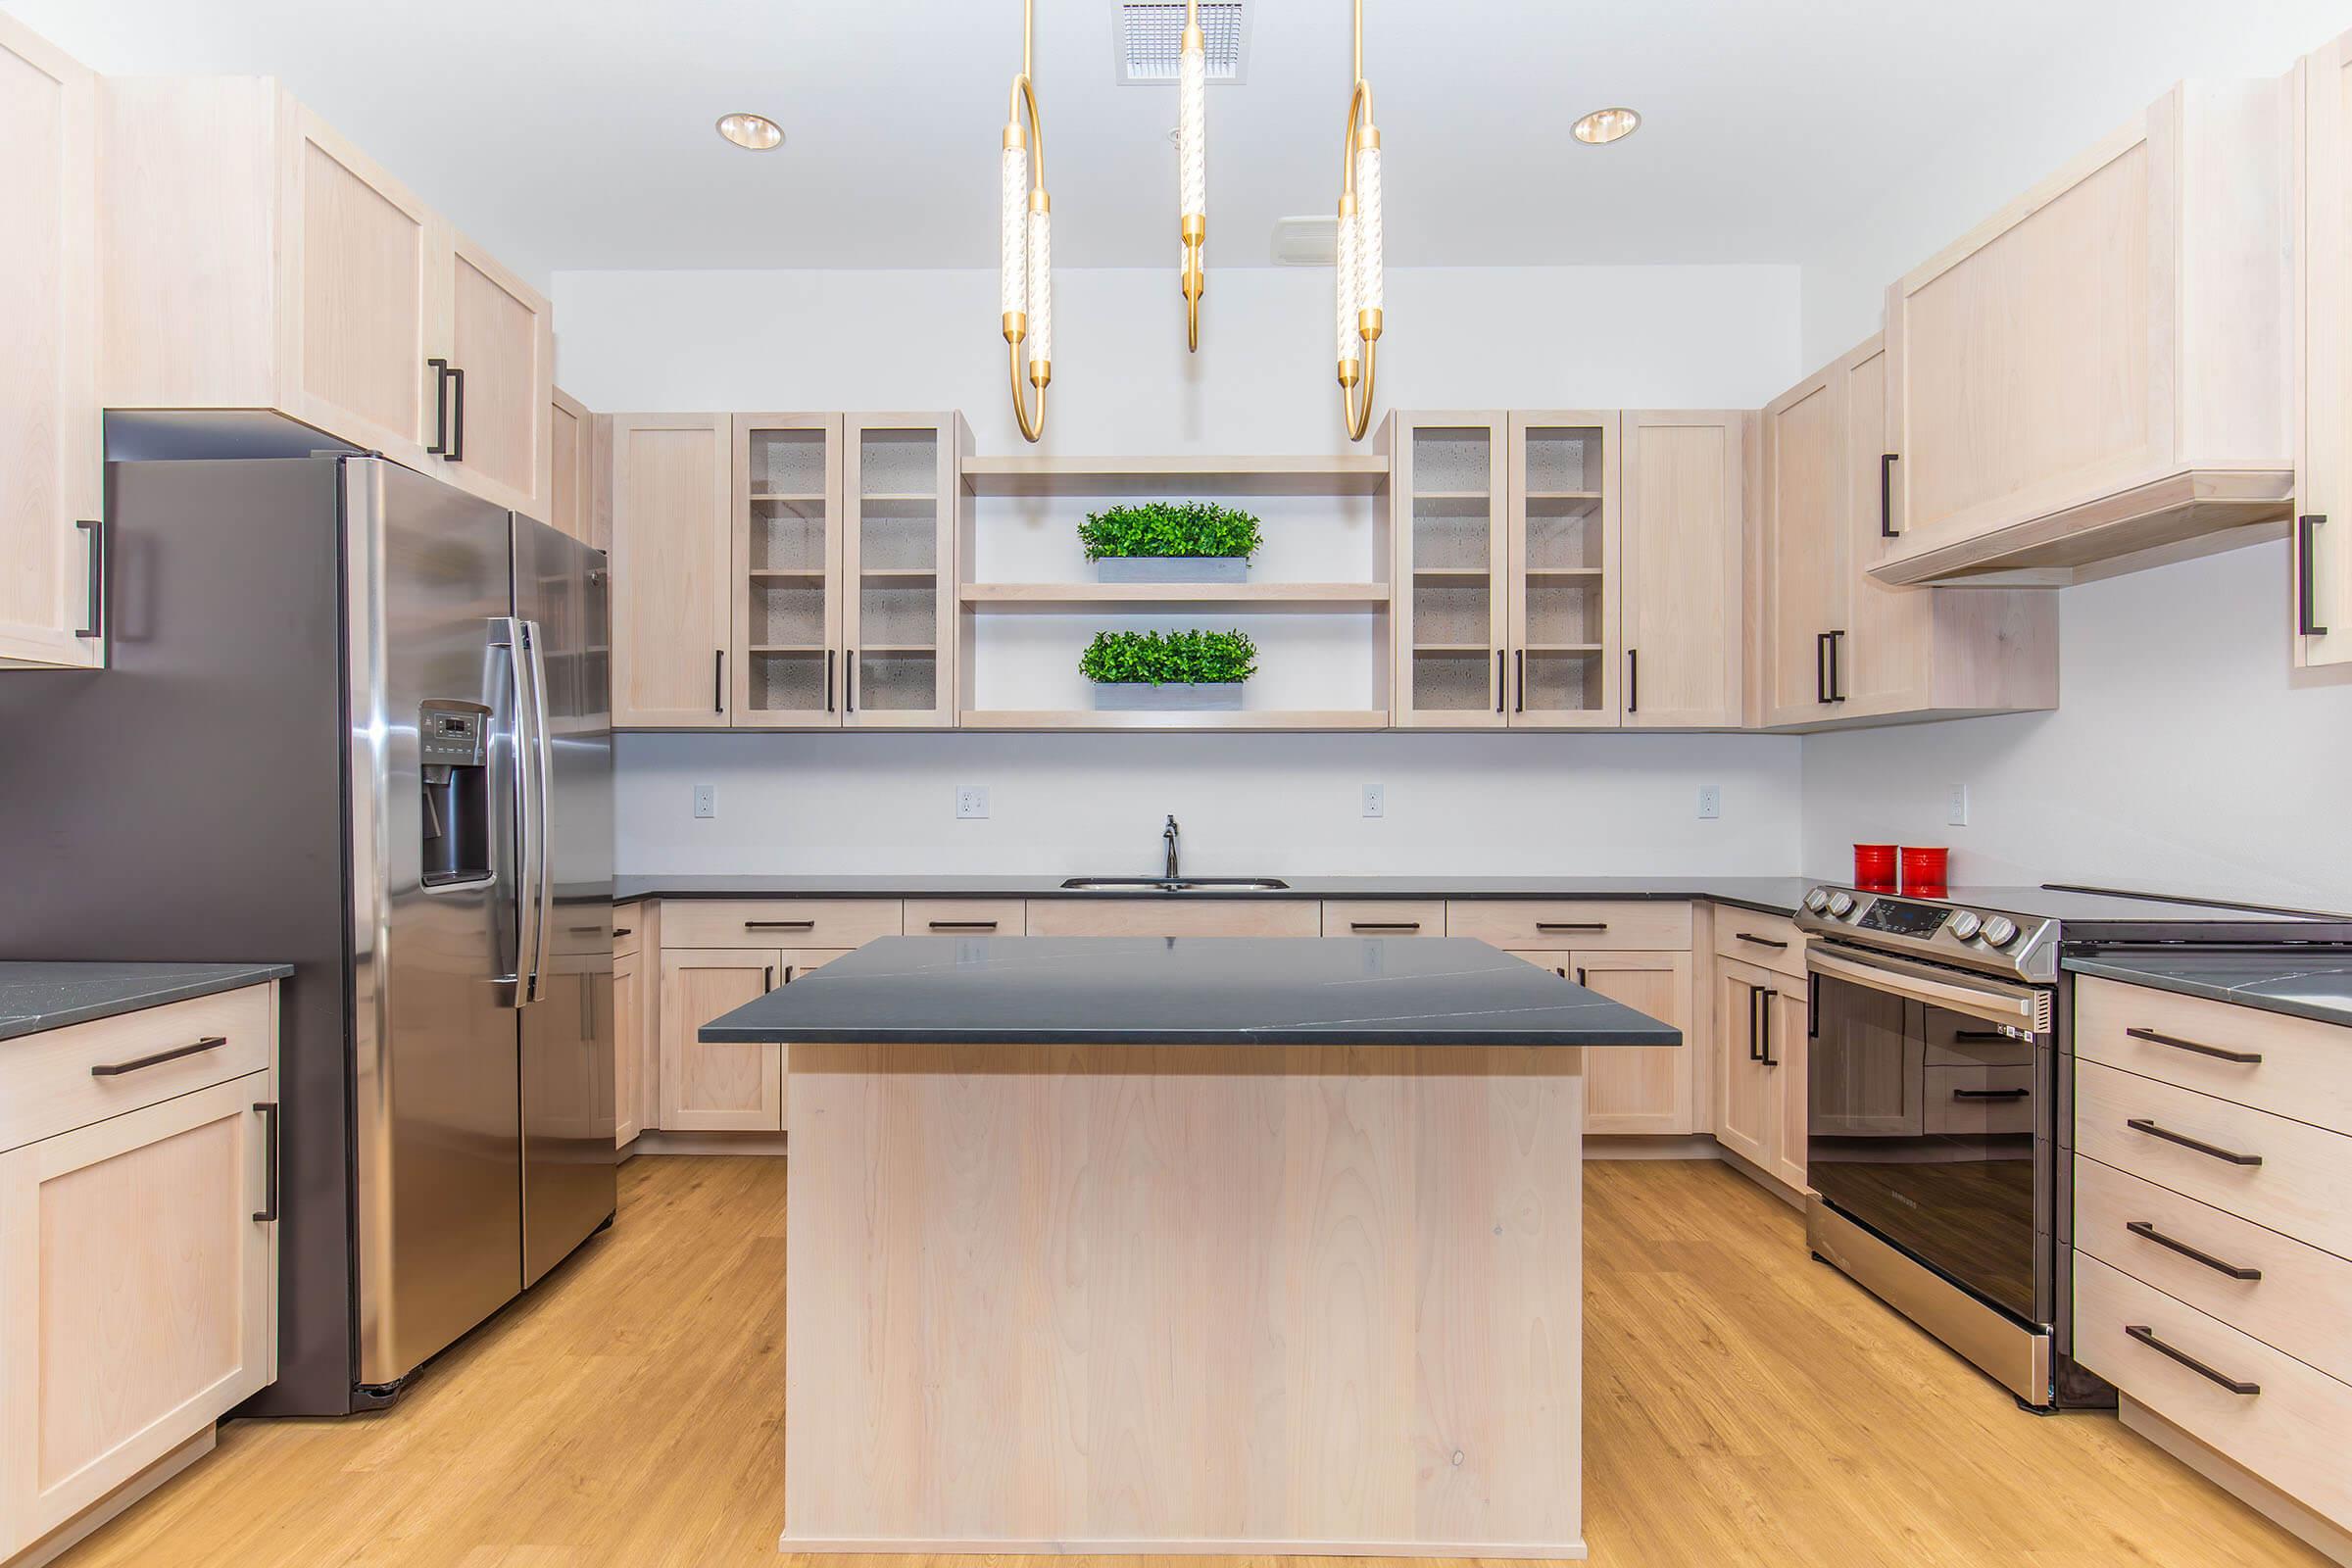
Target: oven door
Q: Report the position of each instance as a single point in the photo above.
(1929, 1097)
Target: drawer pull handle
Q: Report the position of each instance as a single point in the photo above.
(1762, 942)
(779, 925)
(2148, 1232)
(116, 1069)
(1572, 925)
(1990, 1093)
(620, 931)
(2143, 1124)
(2247, 1058)
(2146, 1337)
(963, 925)
(1384, 925)
(267, 1213)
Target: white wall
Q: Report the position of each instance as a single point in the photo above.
(2182, 756)
(1524, 337)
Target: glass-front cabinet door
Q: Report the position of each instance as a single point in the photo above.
(788, 570)
(1563, 569)
(1450, 492)
(905, 489)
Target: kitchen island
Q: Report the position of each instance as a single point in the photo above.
(1147, 1245)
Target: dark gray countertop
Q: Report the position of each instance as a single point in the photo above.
(1419, 991)
(2309, 983)
(35, 997)
(1774, 895)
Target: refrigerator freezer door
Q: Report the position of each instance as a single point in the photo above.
(568, 1029)
(437, 1159)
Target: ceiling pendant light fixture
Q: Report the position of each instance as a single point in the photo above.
(1026, 279)
(1363, 284)
(1192, 167)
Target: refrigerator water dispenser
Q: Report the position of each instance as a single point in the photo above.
(453, 755)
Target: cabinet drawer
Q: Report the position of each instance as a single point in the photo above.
(2292, 1433)
(1770, 940)
(779, 922)
(1211, 917)
(48, 1082)
(629, 929)
(2302, 1302)
(2296, 1189)
(1383, 917)
(966, 918)
(2304, 1068)
(1980, 1100)
(1626, 924)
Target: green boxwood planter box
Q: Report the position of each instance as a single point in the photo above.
(1139, 697)
(1173, 568)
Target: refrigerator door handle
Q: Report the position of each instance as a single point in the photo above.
(512, 635)
(543, 882)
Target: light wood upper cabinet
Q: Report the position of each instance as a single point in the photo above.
(671, 604)
(1680, 612)
(1804, 587)
(906, 503)
(1451, 491)
(251, 257)
(1564, 568)
(787, 564)
(50, 500)
(2103, 368)
(571, 485)
(2320, 604)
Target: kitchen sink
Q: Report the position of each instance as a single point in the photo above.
(1189, 884)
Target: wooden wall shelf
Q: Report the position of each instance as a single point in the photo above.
(1342, 476)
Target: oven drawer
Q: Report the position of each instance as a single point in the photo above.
(1622, 925)
(2208, 1149)
(2300, 1303)
(2291, 1433)
(1957, 1041)
(1980, 1102)
(1770, 940)
(778, 922)
(2304, 1068)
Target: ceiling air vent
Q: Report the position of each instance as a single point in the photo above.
(1149, 35)
(1306, 242)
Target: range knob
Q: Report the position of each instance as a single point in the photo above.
(2001, 930)
(1842, 905)
(1965, 924)
(1818, 900)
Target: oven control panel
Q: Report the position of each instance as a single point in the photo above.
(2023, 945)
(1902, 920)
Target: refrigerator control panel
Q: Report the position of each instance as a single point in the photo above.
(451, 735)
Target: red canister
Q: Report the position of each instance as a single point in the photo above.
(1924, 872)
(1873, 867)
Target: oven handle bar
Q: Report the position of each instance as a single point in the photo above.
(1989, 999)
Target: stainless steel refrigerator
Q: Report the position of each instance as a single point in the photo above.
(357, 720)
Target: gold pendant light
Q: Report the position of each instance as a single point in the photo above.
(1363, 284)
(1026, 279)
(1192, 167)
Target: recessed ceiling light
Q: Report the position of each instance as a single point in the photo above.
(757, 132)
(1604, 125)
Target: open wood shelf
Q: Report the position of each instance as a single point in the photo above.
(818, 497)
(1245, 718)
(1563, 495)
(1452, 495)
(1345, 475)
(911, 573)
(1148, 594)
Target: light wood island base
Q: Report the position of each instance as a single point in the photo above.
(1185, 1299)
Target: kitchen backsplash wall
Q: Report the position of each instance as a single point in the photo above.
(1250, 805)
(2184, 757)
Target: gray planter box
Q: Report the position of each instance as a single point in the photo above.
(1143, 697)
(1173, 568)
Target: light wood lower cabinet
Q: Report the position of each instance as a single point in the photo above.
(718, 1087)
(628, 1048)
(1760, 1110)
(1635, 1089)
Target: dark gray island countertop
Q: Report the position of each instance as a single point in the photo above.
(2307, 983)
(1420, 991)
(37, 996)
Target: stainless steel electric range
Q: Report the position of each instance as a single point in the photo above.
(1941, 1114)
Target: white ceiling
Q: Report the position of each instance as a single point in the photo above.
(577, 134)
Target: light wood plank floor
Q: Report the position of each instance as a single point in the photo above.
(1747, 1406)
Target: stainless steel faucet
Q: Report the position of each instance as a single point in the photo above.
(1170, 833)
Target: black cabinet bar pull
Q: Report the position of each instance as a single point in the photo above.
(267, 1212)
(1764, 1000)
(1519, 663)
(828, 680)
(2243, 1057)
(963, 925)
(2307, 598)
(1990, 1093)
(2143, 1124)
(718, 680)
(2148, 1232)
(1812, 1006)
(1633, 680)
(1756, 996)
(440, 368)
(849, 681)
(623, 930)
(769, 983)
(1821, 667)
(95, 613)
(1580, 976)
(2147, 1337)
(1502, 682)
(1761, 942)
(456, 417)
(116, 1069)
(1572, 925)
(1837, 673)
(1982, 1035)
(1384, 925)
(1887, 463)
(779, 925)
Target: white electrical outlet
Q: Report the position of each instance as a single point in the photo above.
(1710, 801)
(1376, 801)
(1955, 812)
(971, 800)
(706, 800)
